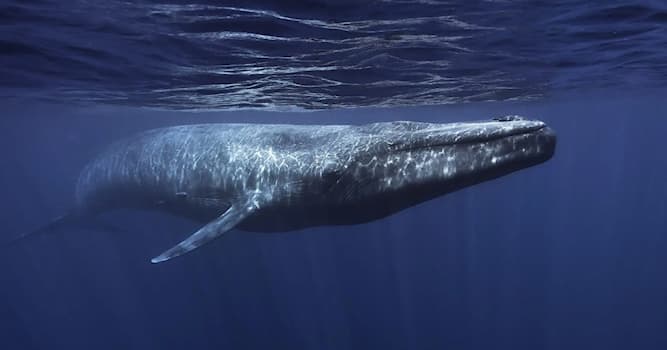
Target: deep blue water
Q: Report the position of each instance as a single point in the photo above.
(566, 255)
(569, 254)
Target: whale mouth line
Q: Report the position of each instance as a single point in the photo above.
(499, 136)
(467, 140)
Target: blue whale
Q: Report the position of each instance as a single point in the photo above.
(272, 178)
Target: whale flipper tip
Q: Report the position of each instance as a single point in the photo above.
(225, 222)
(158, 259)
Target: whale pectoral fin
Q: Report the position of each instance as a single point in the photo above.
(223, 223)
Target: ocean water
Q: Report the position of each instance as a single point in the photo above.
(321, 54)
(569, 254)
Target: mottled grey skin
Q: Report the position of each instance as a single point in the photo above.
(270, 178)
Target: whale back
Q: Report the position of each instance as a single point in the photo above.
(208, 162)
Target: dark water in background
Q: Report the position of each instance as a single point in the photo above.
(566, 255)
(317, 54)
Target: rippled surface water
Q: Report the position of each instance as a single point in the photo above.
(316, 54)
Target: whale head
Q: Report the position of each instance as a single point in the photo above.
(403, 163)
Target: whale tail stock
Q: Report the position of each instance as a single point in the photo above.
(70, 220)
(236, 213)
